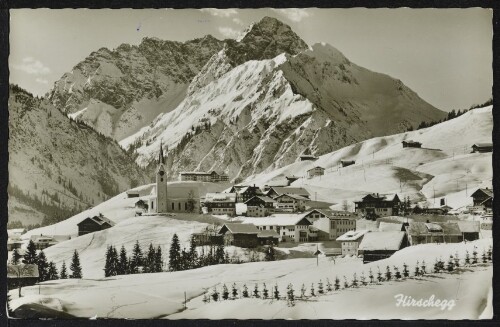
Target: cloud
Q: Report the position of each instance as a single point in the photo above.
(220, 12)
(294, 14)
(238, 21)
(41, 80)
(229, 32)
(32, 66)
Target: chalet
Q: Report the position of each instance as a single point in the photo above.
(469, 229)
(245, 193)
(21, 275)
(316, 171)
(423, 233)
(242, 235)
(260, 206)
(308, 157)
(375, 205)
(94, 224)
(212, 177)
(290, 203)
(346, 163)
(483, 197)
(411, 144)
(291, 228)
(350, 241)
(381, 245)
(482, 147)
(13, 243)
(330, 223)
(275, 191)
(207, 237)
(268, 237)
(221, 203)
(44, 241)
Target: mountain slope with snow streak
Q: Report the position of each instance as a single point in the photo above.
(444, 166)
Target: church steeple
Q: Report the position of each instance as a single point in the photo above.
(161, 182)
(161, 158)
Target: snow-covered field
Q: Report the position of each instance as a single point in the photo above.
(162, 294)
(443, 167)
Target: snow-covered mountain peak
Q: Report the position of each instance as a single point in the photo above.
(326, 52)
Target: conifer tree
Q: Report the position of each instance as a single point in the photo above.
(303, 291)
(225, 292)
(244, 293)
(76, 269)
(346, 284)
(467, 257)
(436, 266)
(150, 261)
(43, 267)
(15, 257)
(256, 291)
(457, 260)
(363, 279)
(379, 275)
(174, 254)
(276, 292)
(206, 298)
(52, 271)
(64, 272)
(265, 292)
(114, 261)
(234, 291)
(397, 274)
(329, 287)
(220, 254)
(30, 256)
(158, 260)
(483, 256)
(320, 287)
(313, 292)
(193, 254)
(123, 262)
(136, 261)
(354, 280)
(184, 261)
(417, 269)
(474, 256)
(107, 263)
(337, 283)
(290, 296)
(422, 268)
(451, 264)
(388, 274)
(490, 253)
(215, 294)
(406, 273)
(370, 275)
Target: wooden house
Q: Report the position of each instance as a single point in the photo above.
(21, 275)
(290, 227)
(469, 229)
(290, 203)
(423, 233)
(260, 206)
(268, 237)
(245, 193)
(331, 223)
(94, 224)
(346, 163)
(221, 203)
(308, 157)
(482, 147)
(411, 144)
(316, 171)
(483, 197)
(44, 241)
(374, 205)
(241, 235)
(199, 176)
(381, 245)
(276, 191)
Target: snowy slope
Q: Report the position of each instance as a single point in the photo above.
(162, 294)
(443, 165)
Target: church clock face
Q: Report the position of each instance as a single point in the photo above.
(162, 173)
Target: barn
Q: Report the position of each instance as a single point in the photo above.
(381, 245)
(242, 235)
(94, 224)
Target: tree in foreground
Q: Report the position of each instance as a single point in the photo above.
(276, 292)
(76, 269)
(397, 274)
(136, 261)
(225, 292)
(474, 256)
(215, 294)
(158, 260)
(313, 292)
(30, 257)
(123, 262)
(388, 273)
(370, 275)
(265, 292)
(52, 271)
(16, 257)
(64, 272)
(337, 283)
(270, 253)
(174, 254)
(43, 267)
(244, 293)
(406, 273)
(467, 257)
(422, 268)
(379, 275)
(320, 287)
(303, 291)
(354, 280)
(256, 291)
(234, 291)
(363, 279)
(289, 295)
(329, 287)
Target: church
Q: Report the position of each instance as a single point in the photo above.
(175, 196)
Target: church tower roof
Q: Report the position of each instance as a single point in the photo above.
(161, 158)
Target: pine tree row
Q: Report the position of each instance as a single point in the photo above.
(121, 264)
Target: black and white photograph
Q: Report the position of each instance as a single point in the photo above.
(291, 163)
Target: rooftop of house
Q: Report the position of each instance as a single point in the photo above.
(293, 196)
(332, 214)
(421, 228)
(469, 226)
(290, 190)
(486, 191)
(268, 233)
(482, 145)
(380, 197)
(100, 220)
(352, 235)
(389, 240)
(238, 228)
(278, 220)
(220, 197)
(317, 167)
(386, 226)
(263, 198)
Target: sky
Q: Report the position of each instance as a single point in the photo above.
(445, 55)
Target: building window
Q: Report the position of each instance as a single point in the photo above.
(179, 206)
(173, 208)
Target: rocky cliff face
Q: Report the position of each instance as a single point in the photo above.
(122, 90)
(58, 166)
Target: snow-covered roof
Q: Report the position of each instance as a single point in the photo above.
(384, 226)
(100, 220)
(483, 145)
(352, 235)
(317, 167)
(293, 196)
(278, 220)
(469, 226)
(237, 228)
(220, 197)
(268, 233)
(290, 190)
(332, 214)
(263, 198)
(389, 240)
(421, 228)
(15, 231)
(371, 225)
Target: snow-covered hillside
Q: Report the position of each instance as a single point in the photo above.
(263, 100)
(444, 165)
(161, 295)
